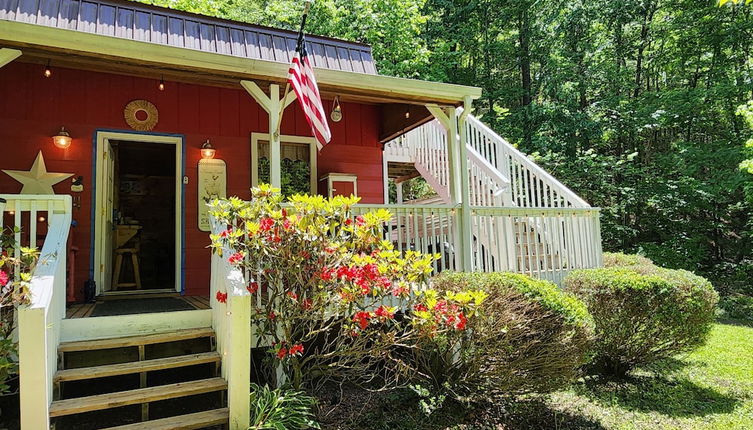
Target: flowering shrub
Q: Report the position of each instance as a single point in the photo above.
(334, 299)
(529, 337)
(14, 291)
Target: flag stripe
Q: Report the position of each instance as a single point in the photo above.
(301, 78)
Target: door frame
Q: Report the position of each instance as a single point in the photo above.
(97, 261)
(284, 138)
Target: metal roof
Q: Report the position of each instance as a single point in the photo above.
(146, 23)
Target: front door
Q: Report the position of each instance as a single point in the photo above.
(138, 238)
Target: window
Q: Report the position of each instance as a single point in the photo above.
(297, 159)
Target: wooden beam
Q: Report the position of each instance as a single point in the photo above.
(7, 55)
(274, 107)
(408, 177)
(146, 54)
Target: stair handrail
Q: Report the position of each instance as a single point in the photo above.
(572, 198)
(39, 321)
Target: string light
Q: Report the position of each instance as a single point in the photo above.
(407, 111)
(47, 70)
(161, 83)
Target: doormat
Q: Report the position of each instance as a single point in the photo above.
(110, 308)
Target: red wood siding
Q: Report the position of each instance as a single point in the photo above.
(33, 108)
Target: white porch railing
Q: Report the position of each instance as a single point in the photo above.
(39, 322)
(231, 322)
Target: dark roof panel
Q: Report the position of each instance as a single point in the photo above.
(146, 23)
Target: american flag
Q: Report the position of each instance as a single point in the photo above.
(301, 78)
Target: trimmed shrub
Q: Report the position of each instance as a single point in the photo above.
(643, 313)
(618, 259)
(528, 337)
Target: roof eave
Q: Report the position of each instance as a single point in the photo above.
(391, 89)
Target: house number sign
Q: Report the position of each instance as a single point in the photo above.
(212, 185)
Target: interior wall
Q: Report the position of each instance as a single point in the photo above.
(32, 109)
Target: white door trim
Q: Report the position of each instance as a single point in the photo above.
(102, 140)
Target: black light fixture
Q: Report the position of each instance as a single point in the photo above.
(161, 83)
(47, 70)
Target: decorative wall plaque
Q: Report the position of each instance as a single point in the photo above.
(37, 180)
(212, 185)
(141, 115)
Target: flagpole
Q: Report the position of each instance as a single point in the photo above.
(287, 84)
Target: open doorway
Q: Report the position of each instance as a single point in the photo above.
(138, 230)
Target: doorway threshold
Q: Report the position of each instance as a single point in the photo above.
(134, 294)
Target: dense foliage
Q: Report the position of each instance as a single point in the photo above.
(281, 409)
(336, 301)
(530, 337)
(643, 313)
(15, 275)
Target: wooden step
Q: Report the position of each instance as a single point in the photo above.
(132, 397)
(197, 420)
(148, 339)
(136, 367)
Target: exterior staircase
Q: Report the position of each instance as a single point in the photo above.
(125, 374)
(500, 176)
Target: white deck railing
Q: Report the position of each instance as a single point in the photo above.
(231, 322)
(39, 322)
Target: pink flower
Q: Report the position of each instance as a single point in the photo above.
(296, 349)
(360, 221)
(3, 278)
(221, 297)
(460, 323)
(235, 258)
(286, 224)
(253, 287)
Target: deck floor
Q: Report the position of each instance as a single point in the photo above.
(85, 310)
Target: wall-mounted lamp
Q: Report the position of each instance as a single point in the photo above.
(47, 70)
(207, 150)
(161, 83)
(337, 112)
(62, 139)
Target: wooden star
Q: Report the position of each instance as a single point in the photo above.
(38, 180)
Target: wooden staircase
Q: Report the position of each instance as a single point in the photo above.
(141, 370)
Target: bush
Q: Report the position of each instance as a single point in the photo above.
(737, 306)
(281, 409)
(643, 313)
(618, 259)
(327, 292)
(527, 337)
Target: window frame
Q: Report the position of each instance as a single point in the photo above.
(313, 153)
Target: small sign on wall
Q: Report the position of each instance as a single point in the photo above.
(212, 185)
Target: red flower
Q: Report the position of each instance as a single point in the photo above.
(384, 312)
(330, 249)
(266, 224)
(226, 232)
(292, 295)
(284, 212)
(306, 304)
(221, 297)
(276, 239)
(420, 308)
(282, 352)
(462, 320)
(362, 318)
(272, 315)
(441, 306)
(3, 278)
(235, 258)
(326, 274)
(286, 224)
(296, 349)
(360, 221)
(253, 287)
(348, 221)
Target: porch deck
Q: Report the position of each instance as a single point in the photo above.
(122, 306)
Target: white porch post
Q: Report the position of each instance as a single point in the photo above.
(399, 192)
(457, 159)
(274, 107)
(7, 55)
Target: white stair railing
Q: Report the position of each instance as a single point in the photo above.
(39, 321)
(231, 322)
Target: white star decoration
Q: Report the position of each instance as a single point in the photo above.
(38, 180)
